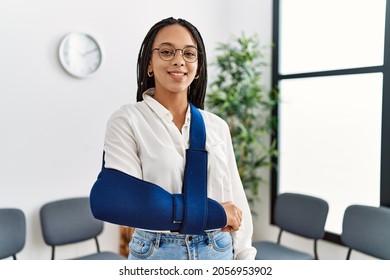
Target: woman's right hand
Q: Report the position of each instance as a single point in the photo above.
(233, 216)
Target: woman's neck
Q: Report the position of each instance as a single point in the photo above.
(176, 104)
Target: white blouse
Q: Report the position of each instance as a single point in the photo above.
(142, 141)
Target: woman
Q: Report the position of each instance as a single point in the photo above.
(148, 140)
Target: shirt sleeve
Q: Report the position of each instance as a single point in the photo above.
(120, 146)
(242, 239)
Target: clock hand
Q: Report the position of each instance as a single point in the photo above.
(88, 52)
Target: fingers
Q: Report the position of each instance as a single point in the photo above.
(227, 229)
(234, 217)
(237, 219)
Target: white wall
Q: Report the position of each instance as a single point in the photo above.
(52, 125)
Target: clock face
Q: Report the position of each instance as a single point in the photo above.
(80, 54)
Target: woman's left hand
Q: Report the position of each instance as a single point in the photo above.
(233, 216)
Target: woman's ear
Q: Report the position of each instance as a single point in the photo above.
(150, 70)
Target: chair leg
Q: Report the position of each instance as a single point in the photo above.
(97, 244)
(349, 253)
(14, 257)
(279, 236)
(52, 252)
(315, 250)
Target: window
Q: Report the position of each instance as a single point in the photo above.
(331, 63)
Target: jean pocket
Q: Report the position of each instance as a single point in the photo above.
(141, 248)
(222, 242)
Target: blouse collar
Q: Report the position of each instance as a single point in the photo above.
(159, 109)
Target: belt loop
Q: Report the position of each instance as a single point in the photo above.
(157, 242)
(210, 237)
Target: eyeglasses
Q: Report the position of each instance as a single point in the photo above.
(168, 53)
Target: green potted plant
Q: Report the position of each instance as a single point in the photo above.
(237, 96)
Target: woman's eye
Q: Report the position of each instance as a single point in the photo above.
(167, 52)
(189, 54)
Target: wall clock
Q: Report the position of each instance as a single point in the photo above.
(80, 54)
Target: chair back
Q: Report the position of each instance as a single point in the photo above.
(12, 232)
(367, 229)
(300, 214)
(68, 221)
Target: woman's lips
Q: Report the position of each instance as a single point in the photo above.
(177, 74)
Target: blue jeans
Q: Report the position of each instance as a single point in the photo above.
(213, 245)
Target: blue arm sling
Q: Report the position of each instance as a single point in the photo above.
(119, 198)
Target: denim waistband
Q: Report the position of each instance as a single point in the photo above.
(183, 239)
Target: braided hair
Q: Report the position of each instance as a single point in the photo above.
(197, 91)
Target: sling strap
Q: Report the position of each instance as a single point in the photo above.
(119, 198)
(195, 177)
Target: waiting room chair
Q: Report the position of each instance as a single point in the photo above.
(12, 232)
(366, 229)
(299, 214)
(70, 221)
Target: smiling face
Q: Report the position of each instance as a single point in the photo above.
(174, 76)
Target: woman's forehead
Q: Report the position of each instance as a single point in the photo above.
(176, 35)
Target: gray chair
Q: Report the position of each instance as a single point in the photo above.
(299, 214)
(366, 229)
(12, 232)
(70, 221)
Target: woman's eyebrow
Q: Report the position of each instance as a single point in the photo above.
(173, 45)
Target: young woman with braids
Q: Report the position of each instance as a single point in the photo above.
(146, 144)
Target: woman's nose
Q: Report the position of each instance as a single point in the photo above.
(178, 58)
